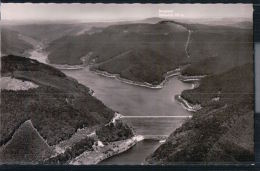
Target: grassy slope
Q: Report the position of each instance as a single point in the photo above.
(12, 44)
(139, 52)
(56, 108)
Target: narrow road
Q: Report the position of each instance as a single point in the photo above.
(187, 44)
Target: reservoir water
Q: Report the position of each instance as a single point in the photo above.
(132, 100)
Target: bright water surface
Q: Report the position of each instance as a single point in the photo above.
(131, 100)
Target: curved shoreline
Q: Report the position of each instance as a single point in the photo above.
(85, 158)
(65, 66)
(186, 105)
(102, 153)
(71, 67)
(173, 73)
(115, 148)
(168, 74)
(99, 153)
(187, 79)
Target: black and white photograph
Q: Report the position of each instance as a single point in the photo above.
(126, 84)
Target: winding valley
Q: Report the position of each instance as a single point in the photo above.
(173, 83)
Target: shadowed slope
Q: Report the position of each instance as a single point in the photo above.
(26, 146)
(57, 107)
(223, 130)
